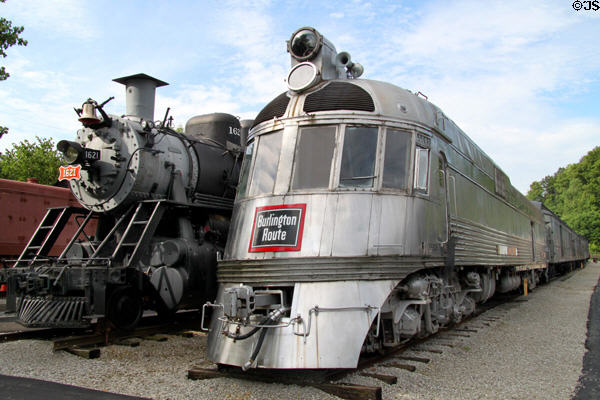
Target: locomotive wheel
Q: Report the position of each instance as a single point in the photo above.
(125, 308)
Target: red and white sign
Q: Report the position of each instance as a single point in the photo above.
(277, 228)
(507, 251)
(70, 172)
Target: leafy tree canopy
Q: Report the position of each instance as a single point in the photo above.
(9, 36)
(38, 160)
(573, 193)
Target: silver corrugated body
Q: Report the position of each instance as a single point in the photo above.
(316, 269)
(477, 244)
(348, 225)
(360, 241)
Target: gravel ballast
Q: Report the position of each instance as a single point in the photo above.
(534, 350)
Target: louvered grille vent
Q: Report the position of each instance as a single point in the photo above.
(276, 108)
(339, 96)
(62, 312)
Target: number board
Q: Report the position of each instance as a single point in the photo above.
(91, 154)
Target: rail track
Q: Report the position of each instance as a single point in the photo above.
(407, 356)
(85, 342)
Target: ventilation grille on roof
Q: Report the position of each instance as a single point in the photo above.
(339, 96)
(275, 108)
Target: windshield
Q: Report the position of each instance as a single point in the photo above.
(313, 157)
(358, 157)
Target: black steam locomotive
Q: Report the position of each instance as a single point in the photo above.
(156, 207)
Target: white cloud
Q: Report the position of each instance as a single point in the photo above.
(492, 27)
(192, 100)
(499, 69)
(257, 61)
(39, 102)
(66, 17)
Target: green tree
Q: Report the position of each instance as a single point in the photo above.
(573, 193)
(38, 160)
(9, 36)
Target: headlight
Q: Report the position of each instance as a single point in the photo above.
(305, 44)
(71, 155)
(72, 151)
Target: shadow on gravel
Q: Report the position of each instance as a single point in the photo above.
(16, 388)
(589, 381)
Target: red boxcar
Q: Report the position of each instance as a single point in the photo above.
(22, 207)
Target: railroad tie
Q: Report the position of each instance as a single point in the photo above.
(407, 367)
(436, 351)
(414, 358)
(85, 353)
(389, 379)
(466, 330)
(457, 334)
(350, 391)
(197, 373)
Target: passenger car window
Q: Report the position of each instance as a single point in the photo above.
(358, 157)
(421, 168)
(266, 164)
(397, 158)
(313, 157)
(245, 171)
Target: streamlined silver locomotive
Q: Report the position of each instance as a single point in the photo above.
(364, 216)
(156, 208)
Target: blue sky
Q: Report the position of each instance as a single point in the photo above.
(521, 78)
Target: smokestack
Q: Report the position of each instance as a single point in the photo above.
(140, 91)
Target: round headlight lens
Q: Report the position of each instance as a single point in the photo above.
(304, 44)
(71, 154)
(71, 150)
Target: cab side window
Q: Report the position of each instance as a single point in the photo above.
(421, 168)
(245, 171)
(266, 164)
(396, 160)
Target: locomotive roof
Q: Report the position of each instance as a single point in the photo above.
(385, 100)
(394, 103)
(397, 102)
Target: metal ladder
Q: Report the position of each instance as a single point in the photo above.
(140, 229)
(45, 236)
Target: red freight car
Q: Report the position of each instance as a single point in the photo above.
(22, 207)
